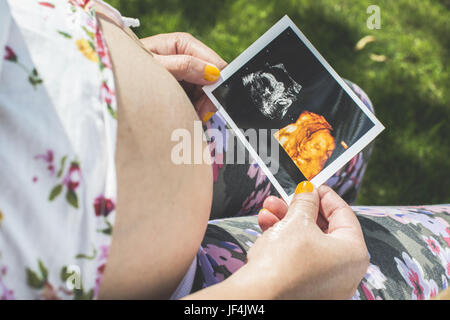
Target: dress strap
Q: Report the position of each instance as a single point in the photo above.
(106, 10)
(114, 14)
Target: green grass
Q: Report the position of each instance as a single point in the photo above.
(410, 164)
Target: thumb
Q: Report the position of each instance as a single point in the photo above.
(305, 203)
(189, 68)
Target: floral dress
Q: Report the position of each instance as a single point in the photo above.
(58, 183)
(57, 173)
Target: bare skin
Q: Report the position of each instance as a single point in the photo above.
(162, 208)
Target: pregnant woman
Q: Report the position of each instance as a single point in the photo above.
(93, 207)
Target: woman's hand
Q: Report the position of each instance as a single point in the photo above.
(313, 249)
(190, 62)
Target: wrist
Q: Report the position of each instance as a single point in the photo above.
(253, 282)
(247, 283)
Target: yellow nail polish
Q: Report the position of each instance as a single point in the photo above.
(211, 73)
(207, 116)
(304, 186)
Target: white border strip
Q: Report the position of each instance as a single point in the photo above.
(248, 54)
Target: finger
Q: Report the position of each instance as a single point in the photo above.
(341, 219)
(182, 43)
(266, 219)
(205, 108)
(322, 222)
(276, 205)
(305, 204)
(190, 69)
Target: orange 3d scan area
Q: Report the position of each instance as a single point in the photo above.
(308, 142)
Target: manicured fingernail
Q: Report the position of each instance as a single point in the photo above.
(207, 116)
(304, 186)
(211, 73)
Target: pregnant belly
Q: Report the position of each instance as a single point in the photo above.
(162, 207)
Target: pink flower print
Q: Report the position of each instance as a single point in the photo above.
(446, 261)
(447, 239)
(10, 55)
(223, 257)
(101, 269)
(255, 171)
(72, 179)
(417, 286)
(433, 288)
(102, 49)
(446, 233)
(33, 75)
(433, 245)
(47, 157)
(98, 281)
(103, 206)
(367, 292)
(412, 272)
(352, 164)
(5, 293)
(254, 201)
(108, 96)
(79, 3)
(104, 252)
(49, 293)
(47, 4)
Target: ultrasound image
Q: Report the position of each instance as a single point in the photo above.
(272, 90)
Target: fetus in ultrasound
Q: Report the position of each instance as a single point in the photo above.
(272, 90)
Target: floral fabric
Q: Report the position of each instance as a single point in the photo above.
(58, 176)
(57, 172)
(409, 251)
(409, 246)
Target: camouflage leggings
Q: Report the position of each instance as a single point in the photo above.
(409, 246)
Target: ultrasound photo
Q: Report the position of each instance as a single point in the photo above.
(272, 90)
(281, 83)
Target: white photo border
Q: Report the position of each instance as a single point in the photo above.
(245, 57)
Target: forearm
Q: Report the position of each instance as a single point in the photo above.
(242, 285)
